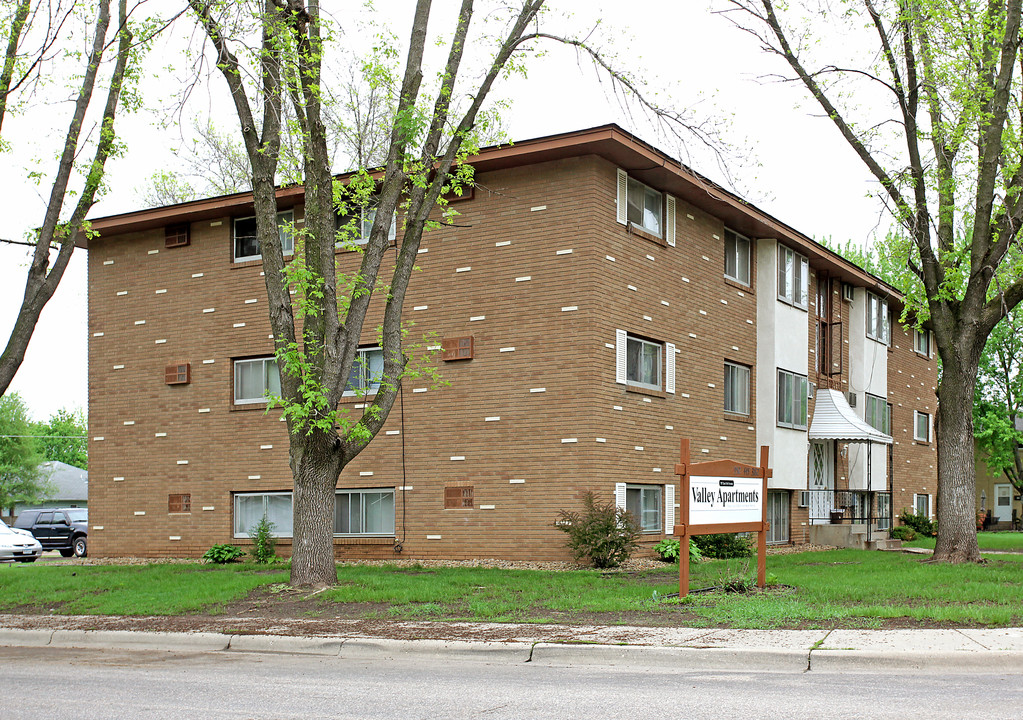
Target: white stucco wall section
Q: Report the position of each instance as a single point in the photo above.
(782, 342)
(868, 373)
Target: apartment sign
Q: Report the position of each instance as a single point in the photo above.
(717, 500)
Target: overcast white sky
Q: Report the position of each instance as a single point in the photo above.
(807, 176)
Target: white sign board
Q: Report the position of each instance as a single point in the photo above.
(715, 500)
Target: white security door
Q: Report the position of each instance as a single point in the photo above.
(822, 478)
(1003, 503)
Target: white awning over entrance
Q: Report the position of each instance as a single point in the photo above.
(833, 419)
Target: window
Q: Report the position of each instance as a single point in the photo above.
(459, 497)
(793, 277)
(644, 207)
(792, 395)
(367, 369)
(878, 325)
(250, 508)
(255, 380)
(737, 257)
(364, 512)
(778, 516)
(644, 502)
(643, 363)
(354, 226)
(877, 413)
(884, 511)
(922, 505)
(246, 241)
(921, 426)
(736, 389)
(922, 342)
(638, 362)
(179, 503)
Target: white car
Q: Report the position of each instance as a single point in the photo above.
(18, 544)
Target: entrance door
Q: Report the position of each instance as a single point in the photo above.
(1003, 503)
(822, 480)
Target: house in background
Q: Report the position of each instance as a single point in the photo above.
(998, 502)
(70, 486)
(595, 302)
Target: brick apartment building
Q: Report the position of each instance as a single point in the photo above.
(598, 301)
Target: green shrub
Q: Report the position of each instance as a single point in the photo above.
(903, 532)
(223, 554)
(922, 524)
(667, 550)
(264, 541)
(604, 533)
(724, 545)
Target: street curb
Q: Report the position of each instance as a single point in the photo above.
(380, 648)
(285, 644)
(732, 658)
(16, 637)
(679, 657)
(962, 661)
(136, 640)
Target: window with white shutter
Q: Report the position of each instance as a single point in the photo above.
(669, 509)
(620, 495)
(669, 220)
(623, 197)
(621, 361)
(669, 368)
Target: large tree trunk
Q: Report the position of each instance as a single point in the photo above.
(957, 522)
(315, 466)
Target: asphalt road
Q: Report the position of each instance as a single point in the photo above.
(85, 684)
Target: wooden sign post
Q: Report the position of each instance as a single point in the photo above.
(721, 496)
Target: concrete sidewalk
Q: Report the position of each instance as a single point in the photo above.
(948, 651)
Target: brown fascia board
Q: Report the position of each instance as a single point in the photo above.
(610, 142)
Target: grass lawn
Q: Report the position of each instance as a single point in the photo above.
(848, 588)
(1011, 541)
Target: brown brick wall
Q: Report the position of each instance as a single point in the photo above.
(912, 380)
(537, 270)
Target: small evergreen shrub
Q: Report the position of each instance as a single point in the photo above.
(724, 545)
(602, 532)
(921, 524)
(223, 554)
(903, 532)
(667, 550)
(264, 542)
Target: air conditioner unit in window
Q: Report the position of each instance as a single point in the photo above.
(804, 498)
(847, 292)
(852, 399)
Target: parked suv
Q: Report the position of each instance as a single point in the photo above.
(63, 529)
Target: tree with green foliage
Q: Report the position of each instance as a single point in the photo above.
(998, 408)
(21, 480)
(63, 438)
(943, 140)
(273, 51)
(38, 35)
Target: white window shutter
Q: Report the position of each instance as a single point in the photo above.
(669, 509)
(620, 495)
(669, 368)
(669, 223)
(623, 197)
(620, 356)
